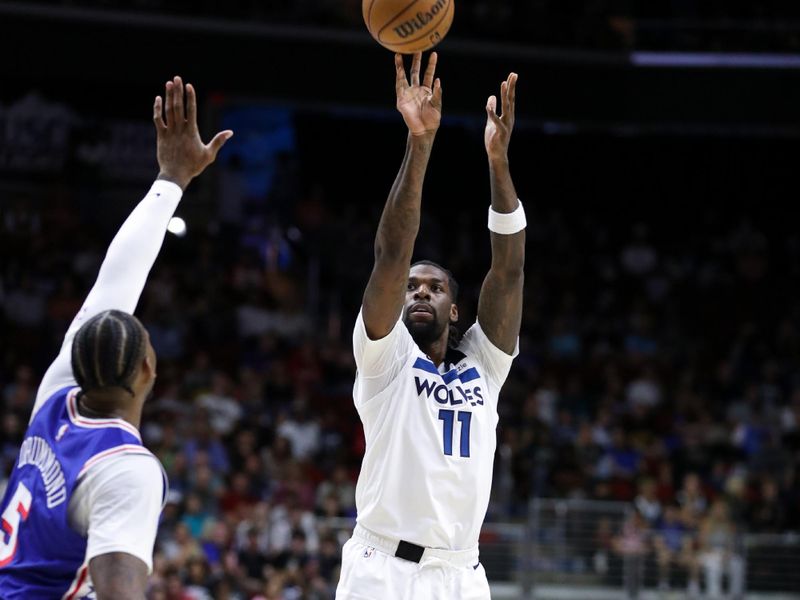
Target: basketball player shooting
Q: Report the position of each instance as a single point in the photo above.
(427, 399)
(82, 505)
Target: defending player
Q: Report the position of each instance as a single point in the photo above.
(428, 401)
(81, 509)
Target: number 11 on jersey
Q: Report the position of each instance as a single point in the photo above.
(448, 418)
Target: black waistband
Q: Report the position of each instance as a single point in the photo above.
(409, 551)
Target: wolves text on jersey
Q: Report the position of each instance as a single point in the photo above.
(441, 388)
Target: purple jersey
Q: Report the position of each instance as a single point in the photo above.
(41, 556)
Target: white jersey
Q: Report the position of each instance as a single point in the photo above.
(430, 432)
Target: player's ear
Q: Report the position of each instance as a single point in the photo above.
(453, 313)
(148, 366)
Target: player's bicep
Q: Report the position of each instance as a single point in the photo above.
(118, 576)
(57, 377)
(383, 296)
(500, 308)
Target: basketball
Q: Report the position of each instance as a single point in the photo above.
(408, 26)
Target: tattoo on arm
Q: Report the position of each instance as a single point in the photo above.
(394, 242)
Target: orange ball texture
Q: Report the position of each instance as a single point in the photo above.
(408, 26)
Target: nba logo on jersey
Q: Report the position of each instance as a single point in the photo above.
(368, 552)
(62, 430)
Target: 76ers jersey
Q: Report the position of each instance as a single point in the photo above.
(430, 436)
(41, 556)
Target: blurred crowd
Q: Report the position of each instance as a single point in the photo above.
(769, 25)
(658, 367)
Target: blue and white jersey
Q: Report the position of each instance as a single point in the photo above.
(41, 554)
(431, 436)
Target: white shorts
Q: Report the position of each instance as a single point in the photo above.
(370, 571)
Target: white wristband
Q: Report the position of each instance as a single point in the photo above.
(507, 223)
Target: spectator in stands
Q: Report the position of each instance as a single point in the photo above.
(673, 543)
(647, 503)
(633, 544)
(692, 500)
(719, 552)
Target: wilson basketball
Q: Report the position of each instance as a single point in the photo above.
(408, 26)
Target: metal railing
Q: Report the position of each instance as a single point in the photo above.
(580, 548)
(570, 549)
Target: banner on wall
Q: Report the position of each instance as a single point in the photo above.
(42, 137)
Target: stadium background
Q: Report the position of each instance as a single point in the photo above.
(656, 151)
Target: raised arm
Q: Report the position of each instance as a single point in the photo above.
(181, 157)
(500, 302)
(421, 107)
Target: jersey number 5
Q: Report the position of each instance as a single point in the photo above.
(16, 511)
(448, 418)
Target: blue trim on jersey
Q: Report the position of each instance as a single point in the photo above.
(469, 375)
(426, 365)
(451, 375)
(48, 553)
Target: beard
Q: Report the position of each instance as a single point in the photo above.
(424, 333)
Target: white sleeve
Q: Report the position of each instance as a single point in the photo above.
(118, 504)
(496, 362)
(122, 275)
(379, 361)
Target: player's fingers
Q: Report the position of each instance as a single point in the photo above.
(218, 142)
(491, 112)
(191, 106)
(400, 82)
(512, 90)
(430, 70)
(180, 118)
(504, 97)
(491, 105)
(416, 63)
(436, 99)
(168, 105)
(158, 118)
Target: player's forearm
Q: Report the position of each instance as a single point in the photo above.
(135, 248)
(508, 251)
(138, 241)
(399, 222)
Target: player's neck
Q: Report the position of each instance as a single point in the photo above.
(437, 350)
(110, 406)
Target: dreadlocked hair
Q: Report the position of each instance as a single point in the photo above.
(454, 336)
(107, 350)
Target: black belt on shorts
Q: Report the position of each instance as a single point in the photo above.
(408, 551)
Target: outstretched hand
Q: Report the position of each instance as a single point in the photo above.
(420, 105)
(497, 135)
(182, 155)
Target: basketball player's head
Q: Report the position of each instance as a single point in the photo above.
(430, 309)
(112, 353)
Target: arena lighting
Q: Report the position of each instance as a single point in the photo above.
(715, 60)
(177, 226)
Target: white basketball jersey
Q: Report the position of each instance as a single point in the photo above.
(430, 432)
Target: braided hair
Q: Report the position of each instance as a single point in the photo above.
(454, 336)
(107, 351)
